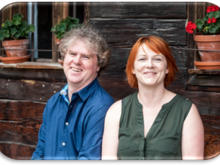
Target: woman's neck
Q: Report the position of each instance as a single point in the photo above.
(152, 96)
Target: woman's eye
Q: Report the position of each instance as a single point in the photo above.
(158, 59)
(141, 59)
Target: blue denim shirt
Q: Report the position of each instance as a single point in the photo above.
(73, 130)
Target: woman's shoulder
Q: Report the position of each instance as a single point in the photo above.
(114, 112)
(115, 107)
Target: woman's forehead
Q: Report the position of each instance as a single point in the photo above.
(148, 51)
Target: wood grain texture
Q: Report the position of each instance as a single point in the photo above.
(206, 102)
(126, 32)
(32, 90)
(19, 122)
(137, 10)
(49, 75)
(212, 135)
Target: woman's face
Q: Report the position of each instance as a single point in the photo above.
(150, 68)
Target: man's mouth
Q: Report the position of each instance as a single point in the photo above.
(76, 70)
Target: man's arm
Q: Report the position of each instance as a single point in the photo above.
(92, 140)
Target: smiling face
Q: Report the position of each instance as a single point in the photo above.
(150, 68)
(80, 65)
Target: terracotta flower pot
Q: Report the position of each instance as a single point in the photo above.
(208, 42)
(57, 41)
(207, 65)
(60, 60)
(16, 44)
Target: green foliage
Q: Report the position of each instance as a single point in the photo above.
(64, 26)
(209, 28)
(16, 29)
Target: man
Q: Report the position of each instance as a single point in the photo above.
(73, 119)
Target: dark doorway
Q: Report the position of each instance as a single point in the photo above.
(44, 26)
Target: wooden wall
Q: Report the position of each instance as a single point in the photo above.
(24, 92)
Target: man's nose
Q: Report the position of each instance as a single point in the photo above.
(77, 59)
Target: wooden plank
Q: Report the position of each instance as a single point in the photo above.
(206, 102)
(202, 88)
(126, 32)
(137, 10)
(51, 75)
(32, 65)
(28, 89)
(212, 135)
(205, 72)
(20, 122)
(21, 111)
(17, 151)
(200, 80)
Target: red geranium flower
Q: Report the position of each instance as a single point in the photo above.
(214, 19)
(190, 27)
(209, 21)
(212, 8)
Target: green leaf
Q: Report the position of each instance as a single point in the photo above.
(1, 37)
(17, 35)
(205, 19)
(218, 22)
(18, 15)
(213, 29)
(13, 30)
(199, 24)
(16, 21)
(62, 28)
(7, 23)
(31, 28)
(210, 15)
(217, 14)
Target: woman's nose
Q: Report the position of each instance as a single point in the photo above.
(149, 63)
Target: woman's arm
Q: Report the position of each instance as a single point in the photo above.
(193, 136)
(111, 128)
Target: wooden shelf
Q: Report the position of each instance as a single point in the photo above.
(32, 65)
(204, 72)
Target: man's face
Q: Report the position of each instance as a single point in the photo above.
(80, 65)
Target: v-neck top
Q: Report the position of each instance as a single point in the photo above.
(163, 140)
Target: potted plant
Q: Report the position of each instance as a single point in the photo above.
(64, 26)
(207, 36)
(60, 29)
(14, 34)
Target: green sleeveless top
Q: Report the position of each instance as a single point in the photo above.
(163, 140)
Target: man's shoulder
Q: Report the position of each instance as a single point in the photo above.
(54, 97)
(100, 95)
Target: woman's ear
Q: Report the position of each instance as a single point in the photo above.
(133, 71)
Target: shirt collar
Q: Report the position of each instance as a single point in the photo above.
(83, 93)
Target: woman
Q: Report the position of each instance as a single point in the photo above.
(153, 123)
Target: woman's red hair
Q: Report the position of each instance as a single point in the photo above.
(157, 45)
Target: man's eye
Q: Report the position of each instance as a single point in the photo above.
(73, 54)
(86, 57)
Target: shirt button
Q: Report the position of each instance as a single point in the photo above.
(67, 123)
(63, 144)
